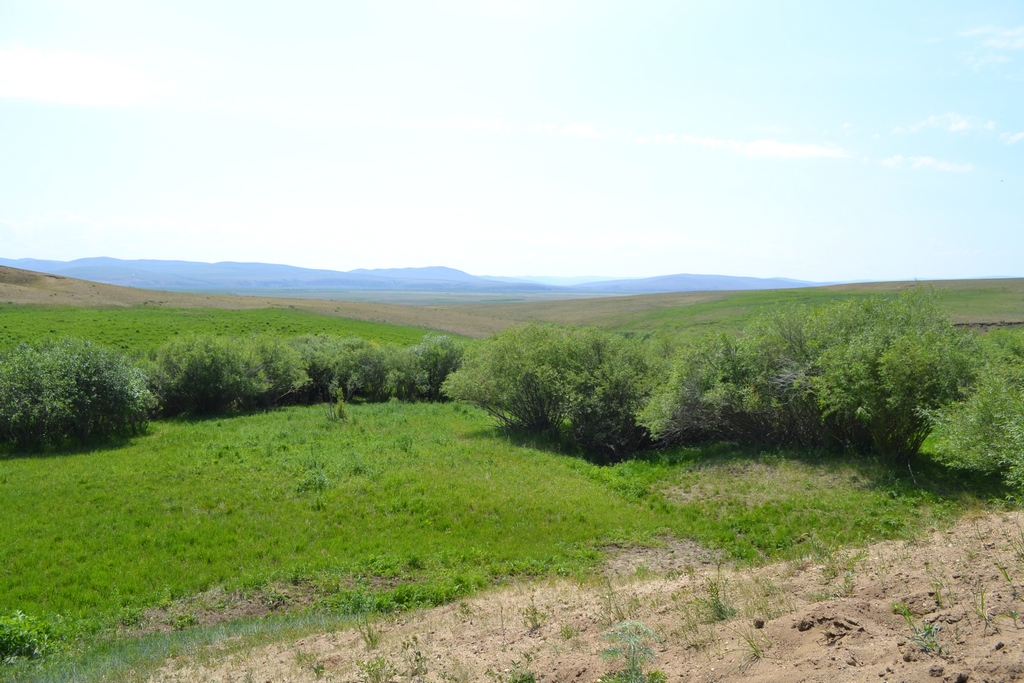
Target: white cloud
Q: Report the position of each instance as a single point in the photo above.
(899, 161)
(1000, 38)
(581, 130)
(950, 121)
(768, 148)
(77, 79)
(755, 148)
(1012, 138)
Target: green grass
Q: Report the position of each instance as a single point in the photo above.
(144, 328)
(419, 494)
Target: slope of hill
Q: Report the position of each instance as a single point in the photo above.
(967, 301)
(691, 283)
(267, 278)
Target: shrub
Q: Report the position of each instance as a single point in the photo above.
(437, 356)
(886, 364)
(70, 389)
(24, 636)
(330, 362)
(754, 389)
(206, 375)
(520, 376)
(544, 378)
(985, 432)
(613, 378)
(856, 374)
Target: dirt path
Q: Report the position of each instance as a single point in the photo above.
(829, 618)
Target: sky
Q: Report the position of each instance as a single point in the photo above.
(818, 141)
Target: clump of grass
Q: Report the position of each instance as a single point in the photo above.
(633, 640)
(533, 618)
(415, 660)
(755, 646)
(379, 670)
(24, 636)
(518, 672)
(615, 607)
(925, 636)
(368, 631)
(568, 632)
(978, 604)
(715, 606)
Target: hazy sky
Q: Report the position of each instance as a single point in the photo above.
(814, 140)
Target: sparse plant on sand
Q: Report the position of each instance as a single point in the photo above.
(633, 640)
(369, 632)
(755, 644)
(533, 618)
(925, 636)
(715, 606)
(415, 660)
(380, 670)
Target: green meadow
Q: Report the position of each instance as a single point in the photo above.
(428, 500)
(145, 328)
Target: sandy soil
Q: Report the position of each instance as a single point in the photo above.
(828, 618)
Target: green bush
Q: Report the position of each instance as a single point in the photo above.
(437, 356)
(612, 380)
(70, 389)
(887, 364)
(857, 374)
(752, 389)
(205, 375)
(377, 373)
(543, 378)
(24, 636)
(521, 377)
(985, 432)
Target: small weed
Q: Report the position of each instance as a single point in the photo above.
(1006, 575)
(369, 632)
(715, 605)
(756, 644)
(615, 609)
(518, 672)
(380, 670)
(24, 636)
(458, 674)
(633, 639)
(568, 632)
(693, 630)
(533, 618)
(979, 606)
(180, 622)
(926, 636)
(415, 660)
(307, 660)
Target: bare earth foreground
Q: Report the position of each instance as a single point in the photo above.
(829, 618)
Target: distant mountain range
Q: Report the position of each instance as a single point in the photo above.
(228, 276)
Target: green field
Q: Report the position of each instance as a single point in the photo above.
(693, 313)
(421, 494)
(144, 328)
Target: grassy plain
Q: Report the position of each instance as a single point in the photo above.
(688, 313)
(428, 500)
(692, 313)
(144, 328)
